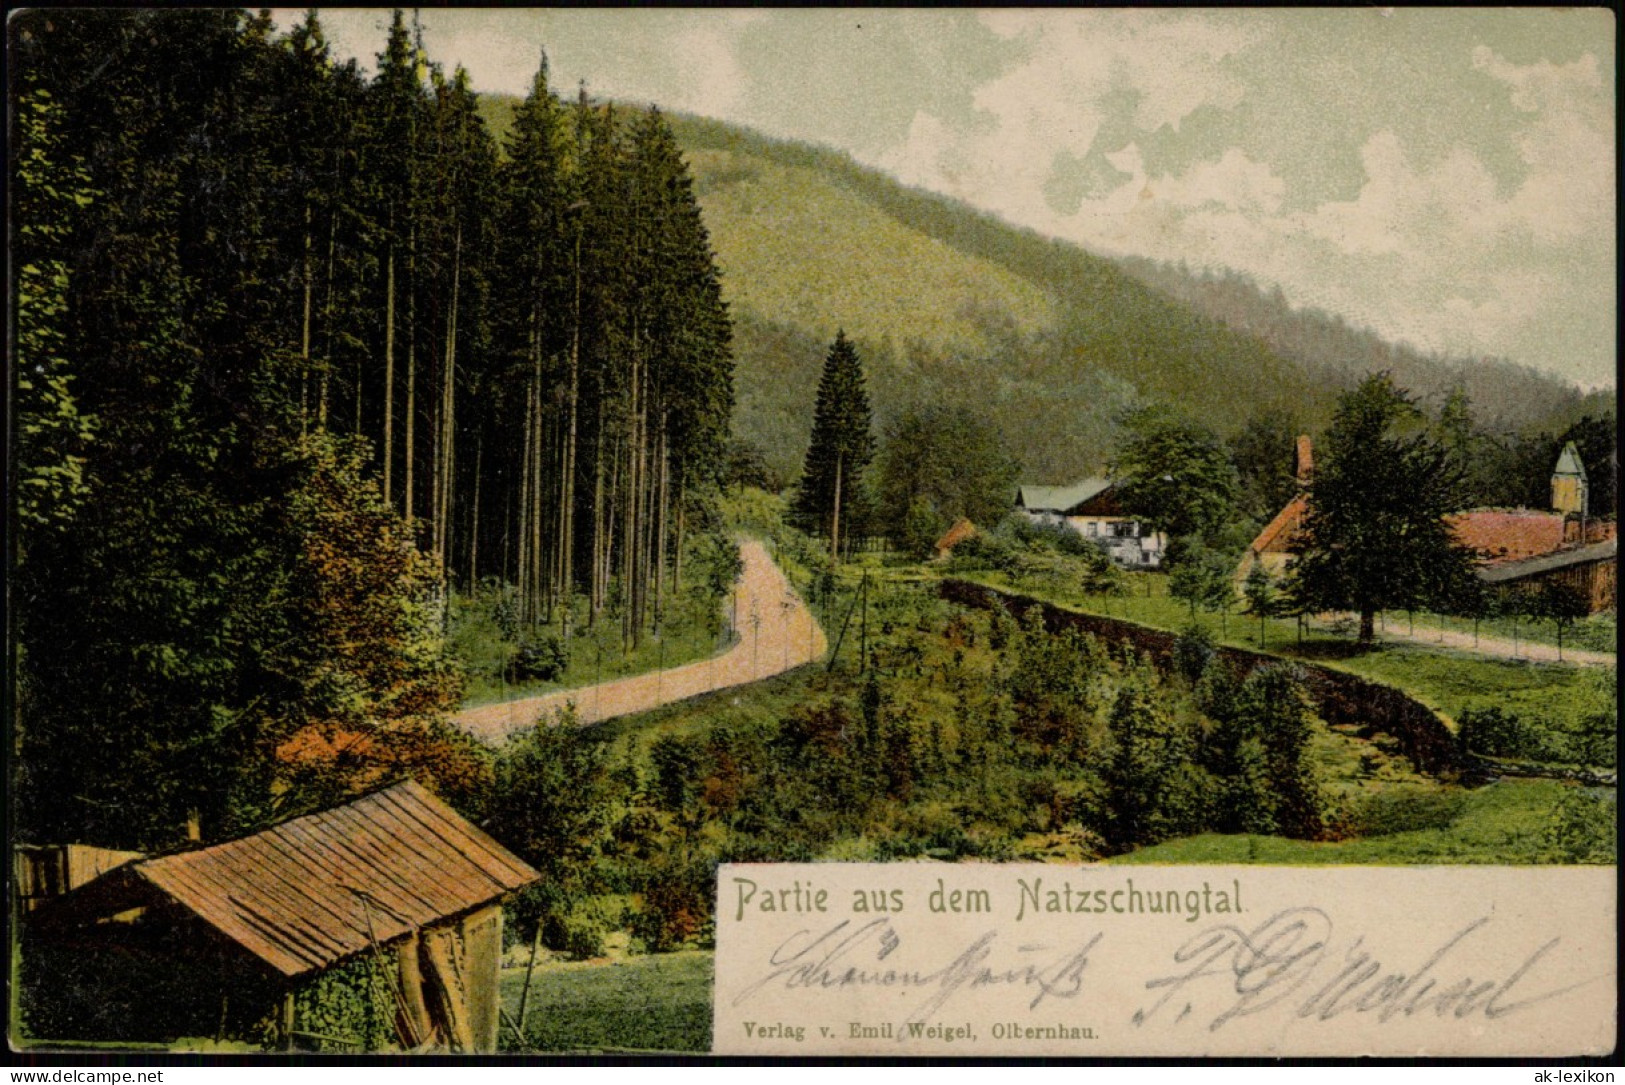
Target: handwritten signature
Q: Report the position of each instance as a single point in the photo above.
(847, 956)
(1285, 959)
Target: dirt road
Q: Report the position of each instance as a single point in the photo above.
(776, 633)
(1492, 646)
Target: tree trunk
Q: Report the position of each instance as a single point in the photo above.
(598, 562)
(629, 509)
(677, 561)
(536, 449)
(327, 310)
(523, 570)
(567, 499)
(835, 518)
(304, 333)
(1368, 626)
(662, 458)
(447, 437)
(389, 369)
(474, 519)
(411, 361)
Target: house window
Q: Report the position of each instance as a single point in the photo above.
(1092, 527)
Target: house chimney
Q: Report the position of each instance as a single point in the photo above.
(1306, 459)
(194, 827)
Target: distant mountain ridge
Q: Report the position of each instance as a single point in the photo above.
(1044, 338)
(1505, 394)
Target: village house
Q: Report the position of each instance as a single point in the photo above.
(960, 530)
(379, 920)
(1519, 549)
(1091, 508)
(1273, 547)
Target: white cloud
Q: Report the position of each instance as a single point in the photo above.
(1439, 252)
(708, 55)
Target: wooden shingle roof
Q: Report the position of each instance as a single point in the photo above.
(1509, 571)
(312, 891)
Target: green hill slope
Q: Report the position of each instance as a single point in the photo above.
(1508, 396)
(951, 305)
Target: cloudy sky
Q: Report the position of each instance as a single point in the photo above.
(1444, 176)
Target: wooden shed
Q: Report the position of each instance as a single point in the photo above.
(231, 940)
(1592, 572)
(41, 872)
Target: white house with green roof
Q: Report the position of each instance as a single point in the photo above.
(1091, 508)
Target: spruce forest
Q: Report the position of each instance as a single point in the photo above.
(299, 351)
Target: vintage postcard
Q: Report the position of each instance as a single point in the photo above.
(1050, 533)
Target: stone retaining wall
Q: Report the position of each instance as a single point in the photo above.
(1339, 697)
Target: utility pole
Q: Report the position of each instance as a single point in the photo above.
(863, 659)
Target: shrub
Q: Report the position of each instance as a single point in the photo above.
(676, 905)
(1581, 828)
(1404, 810)
(578, 934)
(1193, 649)
(984, 551)
(1497, 733)
(541, 660)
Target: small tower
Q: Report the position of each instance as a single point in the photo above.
(1569, 494)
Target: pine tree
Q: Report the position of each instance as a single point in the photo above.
(232, 250)
(51, 190)
(461, 200)
(831, 488)
(1145, 761)
(397, 108)
(1274, 711)
(532, 322)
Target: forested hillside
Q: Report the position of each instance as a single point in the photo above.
(1050, 343)
(952, 307)
(1506, 395)
(299, 351)
(948, 307)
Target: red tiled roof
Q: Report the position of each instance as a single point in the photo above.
(1508, 534)
(1279, 534)
(961, 530)
(1498, 534)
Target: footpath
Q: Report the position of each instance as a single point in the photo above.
(1493, 646)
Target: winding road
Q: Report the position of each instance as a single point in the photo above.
(776, 632)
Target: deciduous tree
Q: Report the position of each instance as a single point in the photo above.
(1173, 474)
(1374, 535)
(949, 460)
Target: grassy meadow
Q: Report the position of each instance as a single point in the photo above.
(629, 1005)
